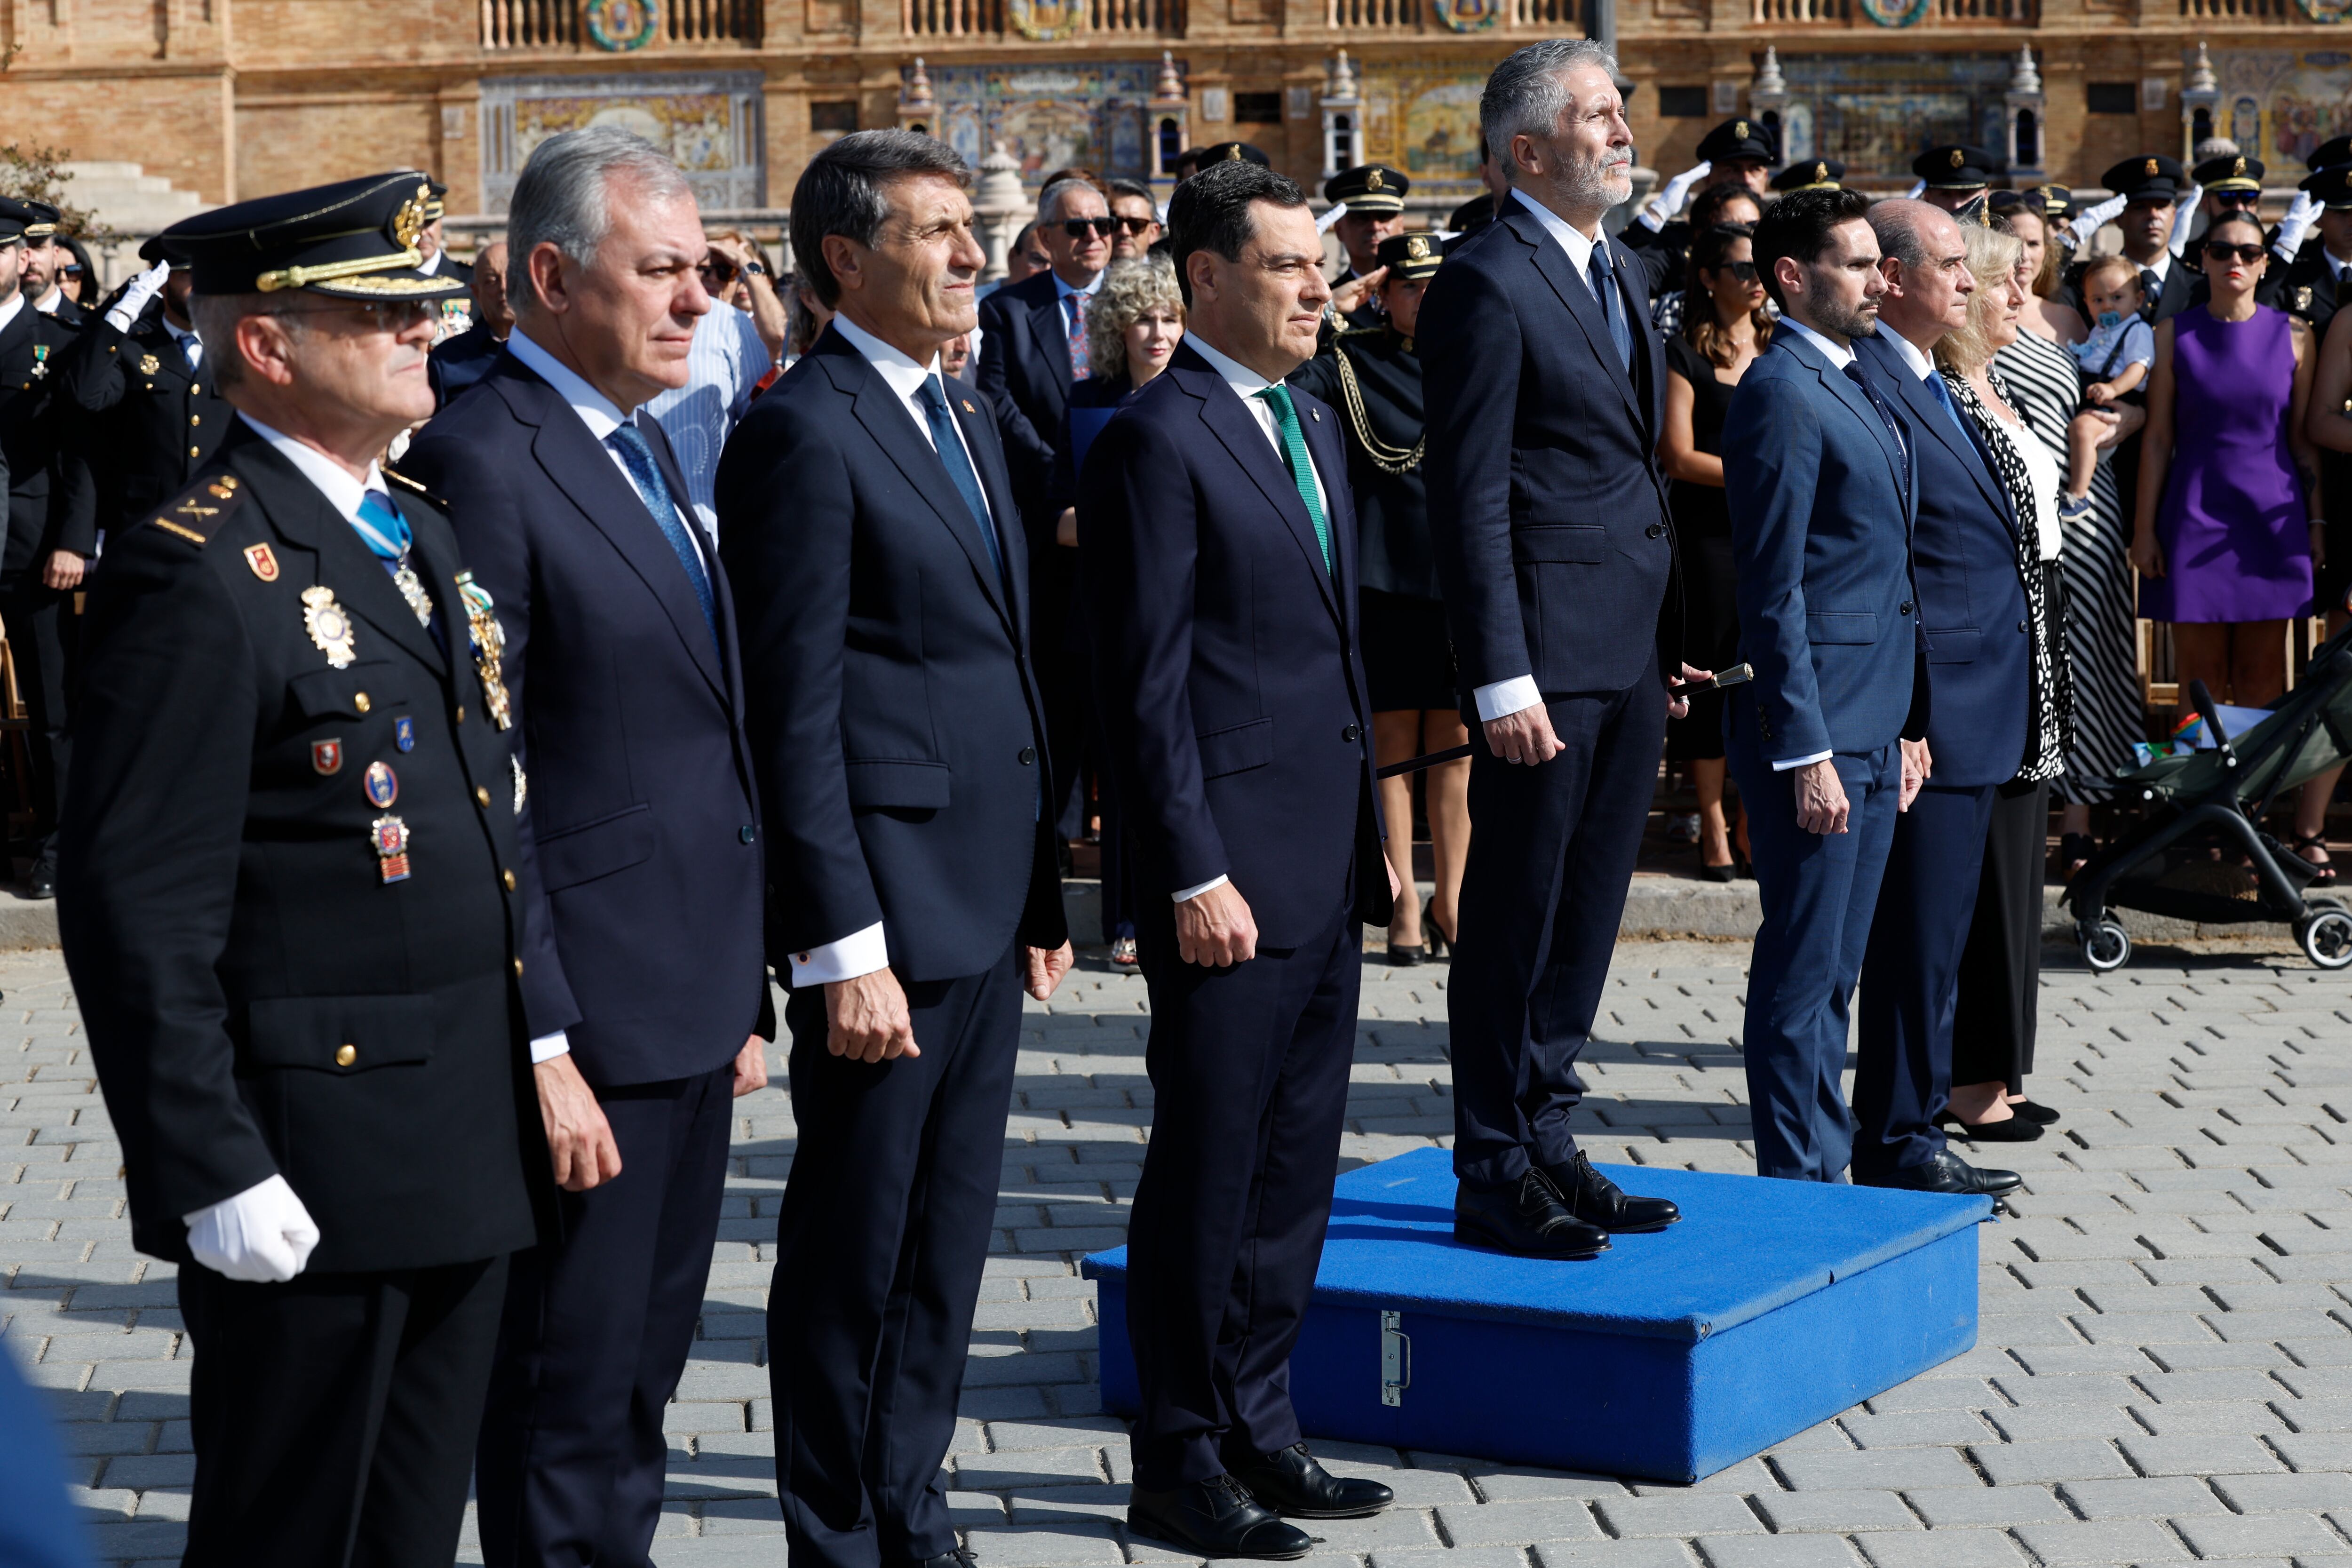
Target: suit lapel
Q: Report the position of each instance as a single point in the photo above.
(1330, 458)
(1575, 293)
(577, 465)
(996, 484)
(1051, 327)
(1927, 414)
(1238, 430)
(1834, 381)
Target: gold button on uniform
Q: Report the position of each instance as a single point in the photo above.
(360, 702)
(507, 878)
(346, 1056)
(195, 418)
(195, 452)
(518, 964)
(481, 797)
(461, 712)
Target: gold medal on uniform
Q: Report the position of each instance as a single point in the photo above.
(40, 361)
(149, 364)
(389, 834)
(489, 640)
(329, 626)
(420, 604)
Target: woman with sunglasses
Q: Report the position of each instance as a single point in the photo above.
(1724, 326)
(2224, 538)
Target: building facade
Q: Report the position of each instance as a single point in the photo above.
(233, 98)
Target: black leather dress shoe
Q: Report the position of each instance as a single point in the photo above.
(1596, 1200)
(1292, 1483)
(1525, 1217)
(1948, 1173)
(41, 881)
(953, 1557)
(1216, 1518)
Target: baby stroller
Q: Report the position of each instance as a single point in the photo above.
(2200, 852)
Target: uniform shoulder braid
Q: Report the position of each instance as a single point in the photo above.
(200, 511)
(396, 477)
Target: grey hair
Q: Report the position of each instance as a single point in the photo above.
(1130, 290)
(842, 192)
(1896, 224)
(564, 197)
(1050, 200)
(1526, 94)
(216, 316)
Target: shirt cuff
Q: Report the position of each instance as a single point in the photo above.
(547, 1048)
(1506, 697)
(1800, 762)
(859, 952)
(1183, 894)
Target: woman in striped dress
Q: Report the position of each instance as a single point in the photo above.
(2102, 629)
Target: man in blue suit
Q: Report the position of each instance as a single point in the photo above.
(1979, 663)
(1221, 554)
(642, 963)
(1819, 482)
(1549, 516)
(896, 723)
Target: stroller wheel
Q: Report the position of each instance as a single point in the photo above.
(2325, 934)
(2105, 946)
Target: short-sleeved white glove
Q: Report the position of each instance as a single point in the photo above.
(142, 288)
(1662, 206)
(263, 1234)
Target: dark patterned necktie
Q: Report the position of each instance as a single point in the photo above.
(1604, 288)
(637, 457)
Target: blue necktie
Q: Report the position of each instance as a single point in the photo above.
(950, 442)
(1604, 288)
(637, 457)
(1943, 396)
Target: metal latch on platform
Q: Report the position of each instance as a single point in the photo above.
(1396, 1359)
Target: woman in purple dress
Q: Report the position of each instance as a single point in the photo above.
(2224, 537)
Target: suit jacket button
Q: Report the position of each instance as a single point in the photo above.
(347, 1056)
(747, 833)
(2021, 626)
(1655, 530)
(507, 878)
(1028, 758)
(1904, 608)
(1351, 734)
(360, 700)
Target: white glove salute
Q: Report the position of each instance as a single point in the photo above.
(142, 288)
(1669, 199)
(2184, 216)
(2294, 225)
(2090, 220)
(263, 1234)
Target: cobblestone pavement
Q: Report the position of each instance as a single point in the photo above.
(2164, 1372)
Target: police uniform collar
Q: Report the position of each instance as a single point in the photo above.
(333, 482)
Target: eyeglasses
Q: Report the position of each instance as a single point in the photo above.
(1132, 225)
(1743, 270)
(399, 315)
(1079, 228)
(2221, 250)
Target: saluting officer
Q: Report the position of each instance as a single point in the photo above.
(52, 520)
(2320, 278)
(290, 906)
(144, 402)
(1373, 195)
(1738, 152)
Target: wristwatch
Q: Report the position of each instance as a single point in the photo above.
(752, 270)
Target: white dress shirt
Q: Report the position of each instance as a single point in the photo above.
(8, 312)
(1246, 385)
(328, 477)
(866, 950)
(48, 303)
(431, 263)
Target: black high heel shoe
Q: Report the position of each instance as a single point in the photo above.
(1439, 947)
(2039, 1115)
(2013, 1130)
(1717, 873)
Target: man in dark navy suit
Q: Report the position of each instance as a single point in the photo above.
(644, 969)
(896, 723)
(1221, 556)
(1819, 482)
(459, 361)
(1548, 515)
(1979, 655)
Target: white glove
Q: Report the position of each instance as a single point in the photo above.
(1338, 210)
(1917, 187)
(1669, 199)
(2184, 215)
(263, 1234)
(142, 288)
(2090, 220)
(2294, 225)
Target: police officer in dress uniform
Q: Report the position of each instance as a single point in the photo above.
(1374, 196)
(1192, 160)
(458, 309)
(45, 258)
(1740, 152)
(2150, 184)
(2231, 184)
(1953, 174)
(2319, 279)
(52, 524)
(290, 907)
(143, 400)
(1810, 174)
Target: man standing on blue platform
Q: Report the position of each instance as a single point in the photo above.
(1221, 556)
(644, 973)
(1548, 514)
(866, 519)
(1979, 655)
(1820, 485)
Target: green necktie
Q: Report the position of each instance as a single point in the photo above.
(1302, 469)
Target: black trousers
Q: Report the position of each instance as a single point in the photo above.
(1249, 1084)
(42, 632)
(597, 1329)
(2000, 969)
(333, 1415)
(879, 1251)
(1911, 976)
(1551, 851)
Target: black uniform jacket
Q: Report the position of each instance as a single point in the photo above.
(51, 505)
(260, 998)
(144, 421)
(1385, 411)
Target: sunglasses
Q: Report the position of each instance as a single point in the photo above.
(1743, 270)
(2221, 250)
(2236, 199)
(399, 315)
(718, 269)
(1079, 228)
(1133, 225)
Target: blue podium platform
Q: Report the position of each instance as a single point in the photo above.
(1771, 1307)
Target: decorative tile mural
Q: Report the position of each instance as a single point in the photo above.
(1877, 112)
(709, 123)
(1423, 121)
(1092, 114)
(2285, 103)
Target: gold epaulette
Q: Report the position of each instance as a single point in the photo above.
(196, 516)
(405, 482)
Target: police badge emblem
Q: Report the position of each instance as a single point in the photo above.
(326, 758)
(389, 835)
(264, 561)
(382, 785)
(327, 624)
(149, 364)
